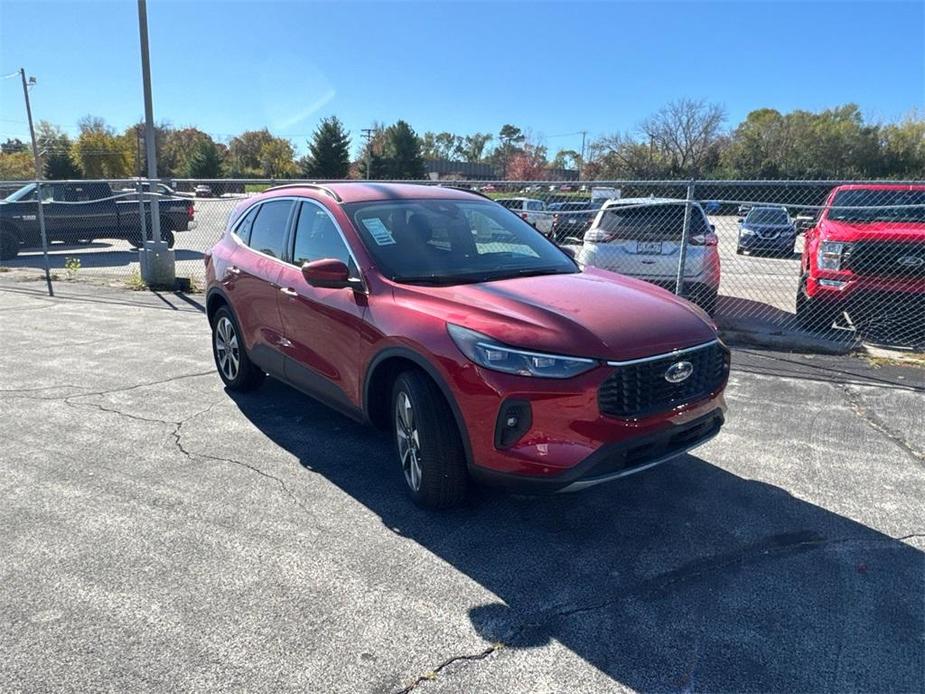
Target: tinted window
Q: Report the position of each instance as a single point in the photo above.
(651, 222)
(534, 205)
(450, 242)
(268, 234)
(316, 237)
(511, 204)
(768, 215)
(244, 228)
(877, 205)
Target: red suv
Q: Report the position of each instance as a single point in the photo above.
(866, 252)
(444, 318)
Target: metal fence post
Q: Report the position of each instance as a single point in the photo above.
(142, 222)
(685, 236)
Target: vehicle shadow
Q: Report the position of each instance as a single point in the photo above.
(89, 256)
(686, 576)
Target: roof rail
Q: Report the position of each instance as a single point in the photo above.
(323, 189)
(468, 190)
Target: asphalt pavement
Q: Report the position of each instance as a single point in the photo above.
(161, 534)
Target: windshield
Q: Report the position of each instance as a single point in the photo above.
(767, 215)
(650, 222)
(453, 242)
(23, 194)
(878, 206)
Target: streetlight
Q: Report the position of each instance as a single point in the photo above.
(38, 176)
(158, 263)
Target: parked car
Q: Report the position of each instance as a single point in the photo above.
(160, 188)
(642, 237)
(804, 221)
(451, 323)
(866, 252)
(744, 209)
(530, 209)
(84, 212)
(767, 229)
(202, 191)
(572, 219)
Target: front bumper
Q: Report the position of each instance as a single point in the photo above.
(757, 243)
(615, 460)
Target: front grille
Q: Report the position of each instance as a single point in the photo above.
(640, 388)
(887, 259)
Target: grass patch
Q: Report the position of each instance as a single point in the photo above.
(255, 187)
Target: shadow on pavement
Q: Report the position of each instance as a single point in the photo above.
(683, 577)
(89, 255)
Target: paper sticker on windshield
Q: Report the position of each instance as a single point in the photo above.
(381, 234)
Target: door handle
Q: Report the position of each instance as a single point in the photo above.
(288, 291)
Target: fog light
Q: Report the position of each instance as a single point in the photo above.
(514, 420)
(834, 284)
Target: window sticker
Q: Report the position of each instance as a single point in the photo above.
(381, 234)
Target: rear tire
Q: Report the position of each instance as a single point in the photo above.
(427, 442)
(235, 368)
(9, 244)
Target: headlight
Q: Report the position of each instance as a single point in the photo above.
(830, 254)
(491, 354)
(747, 232)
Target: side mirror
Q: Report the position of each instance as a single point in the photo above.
(327, 273)
(568, 250)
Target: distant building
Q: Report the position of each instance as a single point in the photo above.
(447, 170)
(561, 175)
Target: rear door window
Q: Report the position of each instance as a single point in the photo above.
(268, 233)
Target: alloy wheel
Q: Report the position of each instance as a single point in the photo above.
(409, 441)
(227, 350)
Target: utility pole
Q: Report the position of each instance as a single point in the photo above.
(158, 263)
(581, 162)
(368, 134)
(38, 177)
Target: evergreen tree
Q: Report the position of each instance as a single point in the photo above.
(401, 156)
(328, 151)
(205, 161)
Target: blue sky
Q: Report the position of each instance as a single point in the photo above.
(552, 68)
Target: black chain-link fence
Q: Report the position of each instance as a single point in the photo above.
(842, 260)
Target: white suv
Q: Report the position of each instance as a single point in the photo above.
(641, 237)
(530, 209)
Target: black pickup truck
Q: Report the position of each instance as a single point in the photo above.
(81, 212)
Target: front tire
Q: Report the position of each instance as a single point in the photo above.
(235, 368)
(814, 315)
(427, 442)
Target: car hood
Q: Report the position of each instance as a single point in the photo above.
(873, 231)
(593, 313)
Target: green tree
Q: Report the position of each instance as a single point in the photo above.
(401, 153)
(100, 152)
(276, 158)
(179, 146)
(16, 166)
(55, 152)
(903, 147)
(511, 138)
(205, 160)
(244, 153)
(328, 151)
(474, 146)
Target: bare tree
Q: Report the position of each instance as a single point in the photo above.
(684, 132)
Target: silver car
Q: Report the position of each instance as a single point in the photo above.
(642, 238)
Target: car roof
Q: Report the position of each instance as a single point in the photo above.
(767, 207)
(616, 202)
(371, 191)
(879, 186)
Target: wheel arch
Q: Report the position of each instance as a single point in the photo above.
(381, 374)
(215, 299)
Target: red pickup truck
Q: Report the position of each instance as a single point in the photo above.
(866, 252)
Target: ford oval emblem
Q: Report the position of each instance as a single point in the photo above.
(911, 261)
(679, 372)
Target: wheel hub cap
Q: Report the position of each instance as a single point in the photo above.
(409, 441)
(227, 351)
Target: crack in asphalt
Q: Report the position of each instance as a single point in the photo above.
(177, 435)
(857, 406)
(13, 392)
(433, 674)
